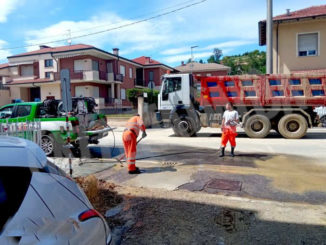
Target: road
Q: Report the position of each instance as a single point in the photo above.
(272, 192)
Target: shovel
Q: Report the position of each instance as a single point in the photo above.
(119, 159)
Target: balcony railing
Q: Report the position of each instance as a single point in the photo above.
(76, 75)
(92, 75)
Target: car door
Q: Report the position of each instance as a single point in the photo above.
(22, 113)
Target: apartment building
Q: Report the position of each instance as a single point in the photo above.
(94, 72)
(151, 71)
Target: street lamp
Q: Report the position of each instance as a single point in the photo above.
(192, 57)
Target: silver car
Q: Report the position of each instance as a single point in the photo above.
(39, 204)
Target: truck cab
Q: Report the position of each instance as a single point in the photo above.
(177, 104)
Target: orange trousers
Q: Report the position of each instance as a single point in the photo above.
(130, 145)
(228, 135)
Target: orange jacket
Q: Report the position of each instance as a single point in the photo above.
(135, 124)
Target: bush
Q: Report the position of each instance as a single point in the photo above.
(134, 93)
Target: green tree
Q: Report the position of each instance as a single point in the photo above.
(216, 56)
(247, 63)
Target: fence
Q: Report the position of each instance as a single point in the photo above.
(26, 130)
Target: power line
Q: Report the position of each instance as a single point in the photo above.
(111, 24)
(112, 29)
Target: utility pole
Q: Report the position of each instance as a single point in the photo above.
(192, 57)
(269, 37)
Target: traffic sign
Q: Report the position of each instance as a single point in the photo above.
(66, 90)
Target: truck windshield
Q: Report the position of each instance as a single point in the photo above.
(171, 84)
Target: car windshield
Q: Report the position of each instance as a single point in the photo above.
(14, 183)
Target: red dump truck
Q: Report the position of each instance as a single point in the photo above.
(284, 103)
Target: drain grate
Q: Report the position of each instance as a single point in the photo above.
(225, 185)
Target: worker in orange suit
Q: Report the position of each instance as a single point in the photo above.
(129, 138)
(229, 128)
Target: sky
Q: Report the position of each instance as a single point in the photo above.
(231, 25)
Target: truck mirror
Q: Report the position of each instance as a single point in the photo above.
(165, 96)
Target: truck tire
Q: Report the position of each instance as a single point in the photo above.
(293, 126)
(257, 126)
(48, 144)
(323, 121)
(184, 127)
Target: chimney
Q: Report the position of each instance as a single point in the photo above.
(182, 63)
(116, 51)
(148, 60)
(288, 12)
(44, 46)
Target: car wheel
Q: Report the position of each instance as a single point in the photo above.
(257, 126)
(293, 126)
(184, 127)
(48, 144)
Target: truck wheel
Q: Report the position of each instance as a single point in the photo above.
(48, 144)
(184, 127)
(293, 126)
(323, 121)
(257, 126)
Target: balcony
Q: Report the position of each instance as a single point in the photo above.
(80, 75)
(112, 77)
(139, 82)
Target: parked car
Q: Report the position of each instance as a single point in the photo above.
(321, 112)
(85, 125)
(39, 204)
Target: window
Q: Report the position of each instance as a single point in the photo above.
(275, 82)
(110, 67)
(295, 82)
(151, 76)
(95, 66)
(23, 110)
(123, 70)
(172, 84)
(318, 92)
(250, 93)
(79, 65)
(211, 84)
(214, 94)
(208, 74)
(130, 72)
(315, 81)
(123, 94)
(278, 93)
(232, 94)
(308, 44)
(229, 83)
(297, 93)
(247, 83)
(6, 112)
(47, 74)
(27, 71)
(48, 63)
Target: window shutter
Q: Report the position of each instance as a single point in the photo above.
(308, 42)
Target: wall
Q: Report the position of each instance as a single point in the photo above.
(158, 73)
(287, 59)
(50, 90)
(4, 97)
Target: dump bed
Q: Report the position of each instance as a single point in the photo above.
(266, 90)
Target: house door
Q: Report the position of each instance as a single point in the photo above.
(35, 94)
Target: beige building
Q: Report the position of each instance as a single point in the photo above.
(299, 41)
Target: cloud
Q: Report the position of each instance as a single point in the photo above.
(185, 57)
(143, 36)
(6, 8)
(4, 53)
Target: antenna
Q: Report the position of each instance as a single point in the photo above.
(69, 37)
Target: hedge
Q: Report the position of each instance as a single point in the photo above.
(134, 93)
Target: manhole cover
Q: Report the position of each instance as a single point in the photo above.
(225, 185)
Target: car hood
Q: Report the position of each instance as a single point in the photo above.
(16, 152)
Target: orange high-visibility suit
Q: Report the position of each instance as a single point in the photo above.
(129, 138)
(229, 133)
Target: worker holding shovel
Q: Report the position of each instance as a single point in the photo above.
(129, 138)
(229, 128)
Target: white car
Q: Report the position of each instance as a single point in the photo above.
(39, 204)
